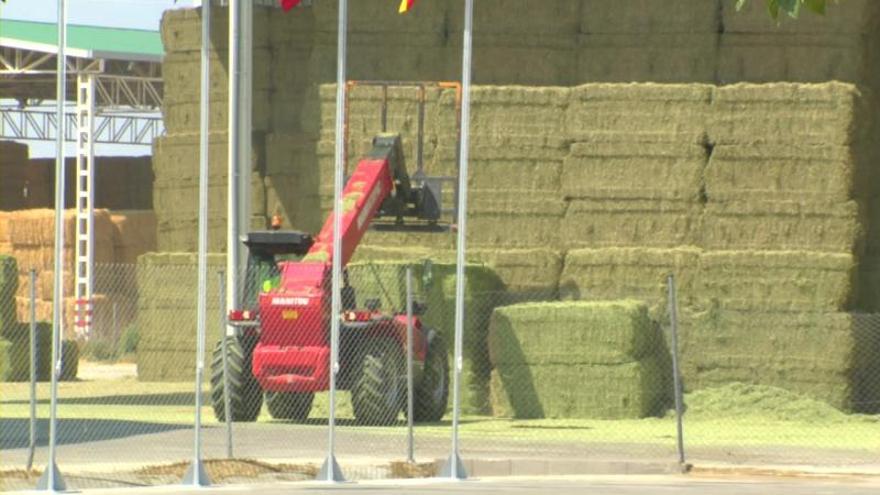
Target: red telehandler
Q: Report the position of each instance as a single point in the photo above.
(282, 350)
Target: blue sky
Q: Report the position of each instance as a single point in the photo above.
(140, 14)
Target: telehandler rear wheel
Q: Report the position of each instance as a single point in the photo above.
(245, 395)
(379, 391)
(289, 406)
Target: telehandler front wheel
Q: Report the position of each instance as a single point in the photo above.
(245, 395)
(379, 391)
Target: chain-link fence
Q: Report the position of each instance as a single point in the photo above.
(549, 384)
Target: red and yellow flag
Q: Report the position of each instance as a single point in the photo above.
(289, 4)
(405, 5)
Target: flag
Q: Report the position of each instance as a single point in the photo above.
(289, 4)
(405, 5)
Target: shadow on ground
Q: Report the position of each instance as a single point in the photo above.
(14, 432)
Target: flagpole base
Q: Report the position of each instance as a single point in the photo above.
(454, 468)
(196, 475)
(57, 483)
(330, 471)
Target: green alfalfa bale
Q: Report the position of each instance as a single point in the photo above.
(644, 111)
(525, 272)
(513, 219)
(475, 394)
(600, 170)
(8, 289)
(631, 222)
(483, 291)
(519, 110)
(784, 225)
(777, 280)
(833, 387)
(798, 172)
(826, 340)
(620, 391)
(787, 113)
(20, 351)
(621, 273)
(829, 356)
(605, 332)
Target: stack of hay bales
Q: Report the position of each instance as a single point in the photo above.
(15, 337)
(167, 285)
(633, 181)
(176, 155)
(578, 360)
(784, 232)
(32, 241)
(135, 234)
(29, 236)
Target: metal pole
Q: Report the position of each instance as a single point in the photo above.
(51, 479)
(227, 399)
(245, 133)
(676, 375)
(35, 361)
(410, 447)
(331, 471)
(196, 474)
(233, 169)
(454, 468)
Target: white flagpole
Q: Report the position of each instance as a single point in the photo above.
(454, 468)
(331, 471)
(196, 474)
(51, 479)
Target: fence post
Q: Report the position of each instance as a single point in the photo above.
(227, 400)
(35, 362)
(410, 455)
(676, 373)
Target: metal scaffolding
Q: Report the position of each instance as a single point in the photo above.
(118, 101)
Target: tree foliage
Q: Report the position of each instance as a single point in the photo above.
(790, 7)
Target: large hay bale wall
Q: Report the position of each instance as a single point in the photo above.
(593, 191)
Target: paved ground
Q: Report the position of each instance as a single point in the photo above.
(594, 485)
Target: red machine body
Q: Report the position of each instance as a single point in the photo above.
(293, 352)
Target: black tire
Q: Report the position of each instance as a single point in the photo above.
(289, 406)
(432, 391)
(379, 391)
(245, 395)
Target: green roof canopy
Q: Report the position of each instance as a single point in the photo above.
(83, 41)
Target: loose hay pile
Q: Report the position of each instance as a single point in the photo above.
(825, 356)
(577, 360)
